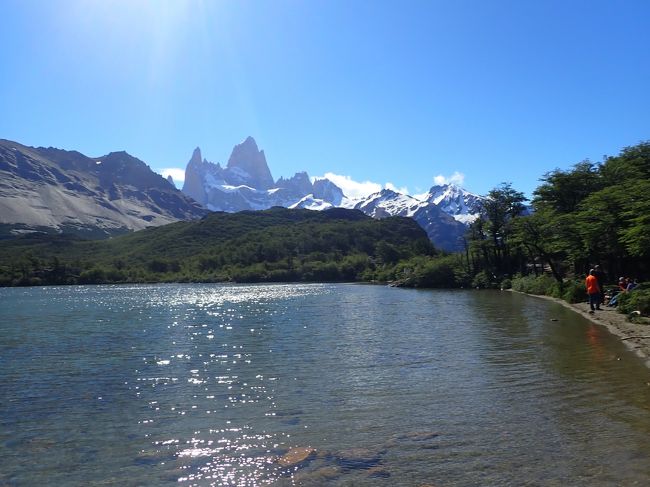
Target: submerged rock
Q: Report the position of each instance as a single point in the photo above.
(378, 472)
(358, 458)
(419, 436)
(296, 456)
(317, 477)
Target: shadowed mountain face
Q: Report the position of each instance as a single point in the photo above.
(54, 190)
(443, 229)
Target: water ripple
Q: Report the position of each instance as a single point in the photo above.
(313, 385)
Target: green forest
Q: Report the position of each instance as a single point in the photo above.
(592, 213)
(263, 246)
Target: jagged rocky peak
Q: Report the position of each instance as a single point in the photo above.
(249, 164)
(245, 183)
(455, 201)
(196, 156)
(326, 190)
(299, 183)
(193, 185)
(170, 180)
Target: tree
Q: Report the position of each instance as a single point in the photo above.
(563, 191)
(501, 206)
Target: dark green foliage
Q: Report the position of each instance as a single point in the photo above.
(491, 251)
(484, 280)
(590, 214)
(267, 246)
(543, 285)
(636, 300)
(594, 214)
(433, 272)
(574, 292)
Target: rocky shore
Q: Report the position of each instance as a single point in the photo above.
(635, 335)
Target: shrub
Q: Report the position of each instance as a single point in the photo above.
(437, 273)
(574, 291)
(506, 284)
(543, 285)
(636, 300)
(484, 280)
(93, 276)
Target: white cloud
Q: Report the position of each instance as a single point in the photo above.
(392, 187)
(457, 178)
(177, 174)
(352, 188)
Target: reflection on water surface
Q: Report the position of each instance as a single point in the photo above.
(313, 385)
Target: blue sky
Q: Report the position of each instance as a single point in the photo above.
(383, 93)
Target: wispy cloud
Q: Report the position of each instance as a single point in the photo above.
(177, 174)
(392, 187)
(352, 188)
(457, 178)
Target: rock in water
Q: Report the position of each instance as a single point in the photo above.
(296, 456)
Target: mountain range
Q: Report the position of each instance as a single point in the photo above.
(54, 190)
(245, 183)
(59, 191)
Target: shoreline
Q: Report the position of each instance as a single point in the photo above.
(616, 323)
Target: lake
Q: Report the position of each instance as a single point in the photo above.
(199, 384)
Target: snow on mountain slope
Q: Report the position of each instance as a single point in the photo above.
(246, 184)
(389, 203)
(311, 203)
(455, 201)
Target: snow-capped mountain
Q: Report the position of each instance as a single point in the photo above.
(246, 184)
(443, 229)
(455, 201)
(310, 203)
(389, 203)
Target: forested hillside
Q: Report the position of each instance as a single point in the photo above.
(271, 245)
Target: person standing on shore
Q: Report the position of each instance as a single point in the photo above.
(600, 277)
(593, 291)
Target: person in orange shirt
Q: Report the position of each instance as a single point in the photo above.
(593, 291)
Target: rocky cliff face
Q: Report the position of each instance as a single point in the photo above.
(54, 190)
(247, 165)
(194, 176)
(326, 190)
(246, 184)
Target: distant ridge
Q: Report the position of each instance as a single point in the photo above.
(58, 191)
